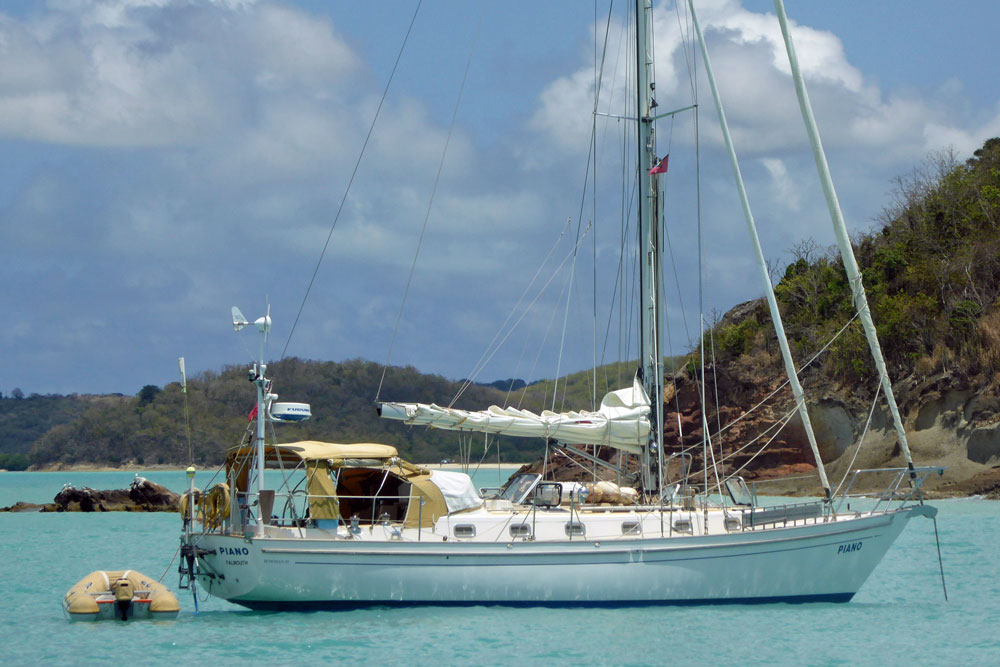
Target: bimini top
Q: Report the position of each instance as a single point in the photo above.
(437, 492)
(312, 450)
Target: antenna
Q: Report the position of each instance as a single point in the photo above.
(187, 418)
(238, 320)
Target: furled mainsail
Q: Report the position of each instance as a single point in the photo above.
(621, 422)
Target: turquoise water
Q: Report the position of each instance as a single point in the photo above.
(898, 617)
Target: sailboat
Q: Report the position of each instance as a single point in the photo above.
(315, 524)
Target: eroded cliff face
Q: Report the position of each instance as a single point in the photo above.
(947, 421)
(756, 432)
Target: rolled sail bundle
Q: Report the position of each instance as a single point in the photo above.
(621, 422)
(119, 594)
(610, 493)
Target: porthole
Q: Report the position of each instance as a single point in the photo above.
(465, 530)
(575, 529)
(520, 530)
(682, 525)
(631, 528)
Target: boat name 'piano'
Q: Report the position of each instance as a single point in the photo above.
(849, 548)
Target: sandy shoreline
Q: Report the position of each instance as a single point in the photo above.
(82, 467)
(982, 486)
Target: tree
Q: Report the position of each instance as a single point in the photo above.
(148, 394)
(17, 393)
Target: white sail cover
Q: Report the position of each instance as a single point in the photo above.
(621, 422)
(458, 490)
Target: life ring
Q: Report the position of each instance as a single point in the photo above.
(185, 505)
(216, 505)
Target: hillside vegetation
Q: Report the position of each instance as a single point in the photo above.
(148, 428)
(931, 272)
(23, 420)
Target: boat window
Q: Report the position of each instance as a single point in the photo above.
(465, 530)
(740, 492)
(682, 525)
(520, 530)
(631, 528)
(371, 494)
(575, 529)
(548, 494)
(519, 486)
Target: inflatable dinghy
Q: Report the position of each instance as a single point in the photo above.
(119, 594)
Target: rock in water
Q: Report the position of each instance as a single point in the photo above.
(153, 495)
(21, 506)
(141, 496)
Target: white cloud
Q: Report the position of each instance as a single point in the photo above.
(785, 190)
(169, 158)
(159, 72)
(749, 60)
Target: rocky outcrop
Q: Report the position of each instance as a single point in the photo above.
(949, 423)
(141, 496)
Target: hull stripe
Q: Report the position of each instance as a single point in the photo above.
(645, 557)
(343, 606)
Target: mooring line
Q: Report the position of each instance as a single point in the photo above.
(937, 541)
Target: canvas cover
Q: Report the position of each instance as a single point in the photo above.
(621, 422)
(439, 496)
(238, 459)
(458, 490)
(434, 506)
(313, 450)
(322, 493)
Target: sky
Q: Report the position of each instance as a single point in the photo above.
(164, 160)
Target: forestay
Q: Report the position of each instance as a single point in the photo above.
(621, 422)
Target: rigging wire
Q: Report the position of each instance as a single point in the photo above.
(786, 382)
(861, 439)
(715, 391)
(591, 161)
(701, 292)
(777, 426)
(527, 309)
(480, 363)
(593, 199)
(592, 151)
(780, 423)
(538, 353)
(430, 203)
(350, 181)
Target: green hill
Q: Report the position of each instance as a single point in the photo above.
(23, 420)
(931, 272)
(149, 428)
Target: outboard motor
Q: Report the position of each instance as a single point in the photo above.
(122, 588)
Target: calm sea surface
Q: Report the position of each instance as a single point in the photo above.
(898, 617)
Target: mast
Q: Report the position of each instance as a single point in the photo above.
(650, 362)
(772, 303)
(257, 377)
(843, 240)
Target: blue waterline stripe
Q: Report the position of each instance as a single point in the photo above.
(351, 605)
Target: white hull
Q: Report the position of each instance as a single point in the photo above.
(825, 561)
